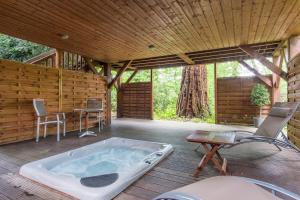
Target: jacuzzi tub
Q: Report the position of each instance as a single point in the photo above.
(127, 158)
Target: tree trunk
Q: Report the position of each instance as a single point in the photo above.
(193, 100)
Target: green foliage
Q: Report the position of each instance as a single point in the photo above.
(260, 95)
(20, 50)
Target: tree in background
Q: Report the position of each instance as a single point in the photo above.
(19, 50)
(193, 96)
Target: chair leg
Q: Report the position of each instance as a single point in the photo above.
(277, 147)
(99, 124)
(38, 130)
(45, 128)
(64, 127)
(58, 136)
(80, 116)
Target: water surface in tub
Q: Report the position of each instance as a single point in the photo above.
(113, 159)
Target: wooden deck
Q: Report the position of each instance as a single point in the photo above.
(256, 160)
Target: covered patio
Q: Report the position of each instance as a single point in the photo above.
(94, 42)
(257, 160)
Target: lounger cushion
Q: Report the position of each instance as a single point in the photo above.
(224, 187)
(280, 112)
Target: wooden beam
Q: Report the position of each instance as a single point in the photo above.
(58, 58)
(277, 60)
(252, 53)
(121, 65)
(266, 80)
(119, 74)
(107, 74)
(216, 92)
(186, 58)
(132, 76)
(90, 65)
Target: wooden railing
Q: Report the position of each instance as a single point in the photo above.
(67, 60)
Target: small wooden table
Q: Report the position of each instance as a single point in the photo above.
(211, 142)
(87, 111)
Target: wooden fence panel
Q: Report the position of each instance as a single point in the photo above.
(135, 100)
(233, 100)
(294, 96)
(62, 90)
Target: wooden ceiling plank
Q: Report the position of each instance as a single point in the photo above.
(122, 30)
(265, 79)
(228, 17)
(186, 59)
(246, 20)
(290, 20)
(219, 15)
(255, 16)
(274, 17)
(119, 74)
(264, 61)
(264, 17)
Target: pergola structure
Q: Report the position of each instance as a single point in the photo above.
(137, 35)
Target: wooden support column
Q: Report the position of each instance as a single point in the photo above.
(119, 74)
(151, 105)
(107, 74)
(216, 93)
(277, 60)
(275, 69)
(58, 58)
(266, 80)
(293, 47)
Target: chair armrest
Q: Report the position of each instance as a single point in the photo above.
(58, 114)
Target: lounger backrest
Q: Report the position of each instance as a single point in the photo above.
(94, 103)
(39, 107)
(277, 119)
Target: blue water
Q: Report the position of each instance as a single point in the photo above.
(103, 161)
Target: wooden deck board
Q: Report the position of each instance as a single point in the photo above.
(260, 161)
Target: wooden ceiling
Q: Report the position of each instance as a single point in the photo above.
(118, 30)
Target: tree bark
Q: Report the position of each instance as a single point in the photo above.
(193, 98)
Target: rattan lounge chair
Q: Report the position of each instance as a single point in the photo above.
(43, 119)
(269, 132)
(228, 187)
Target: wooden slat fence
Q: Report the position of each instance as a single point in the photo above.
(294, 96)
(63, 90)
(135, 100)
(233, 100)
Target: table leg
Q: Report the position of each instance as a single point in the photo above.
(210, 155)
(87, 132)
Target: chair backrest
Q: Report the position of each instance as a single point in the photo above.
(39, 107)
(94, 103)
(277, 119)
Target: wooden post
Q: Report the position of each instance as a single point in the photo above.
(293, 47)
(216, 89)
(151, 105)
(276, 80)
(58, 58)
(60, 99)
(107, 73)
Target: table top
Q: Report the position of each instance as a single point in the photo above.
(212, 137)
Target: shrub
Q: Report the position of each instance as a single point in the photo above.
(260, 96)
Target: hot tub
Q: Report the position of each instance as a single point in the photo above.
(126, 159)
